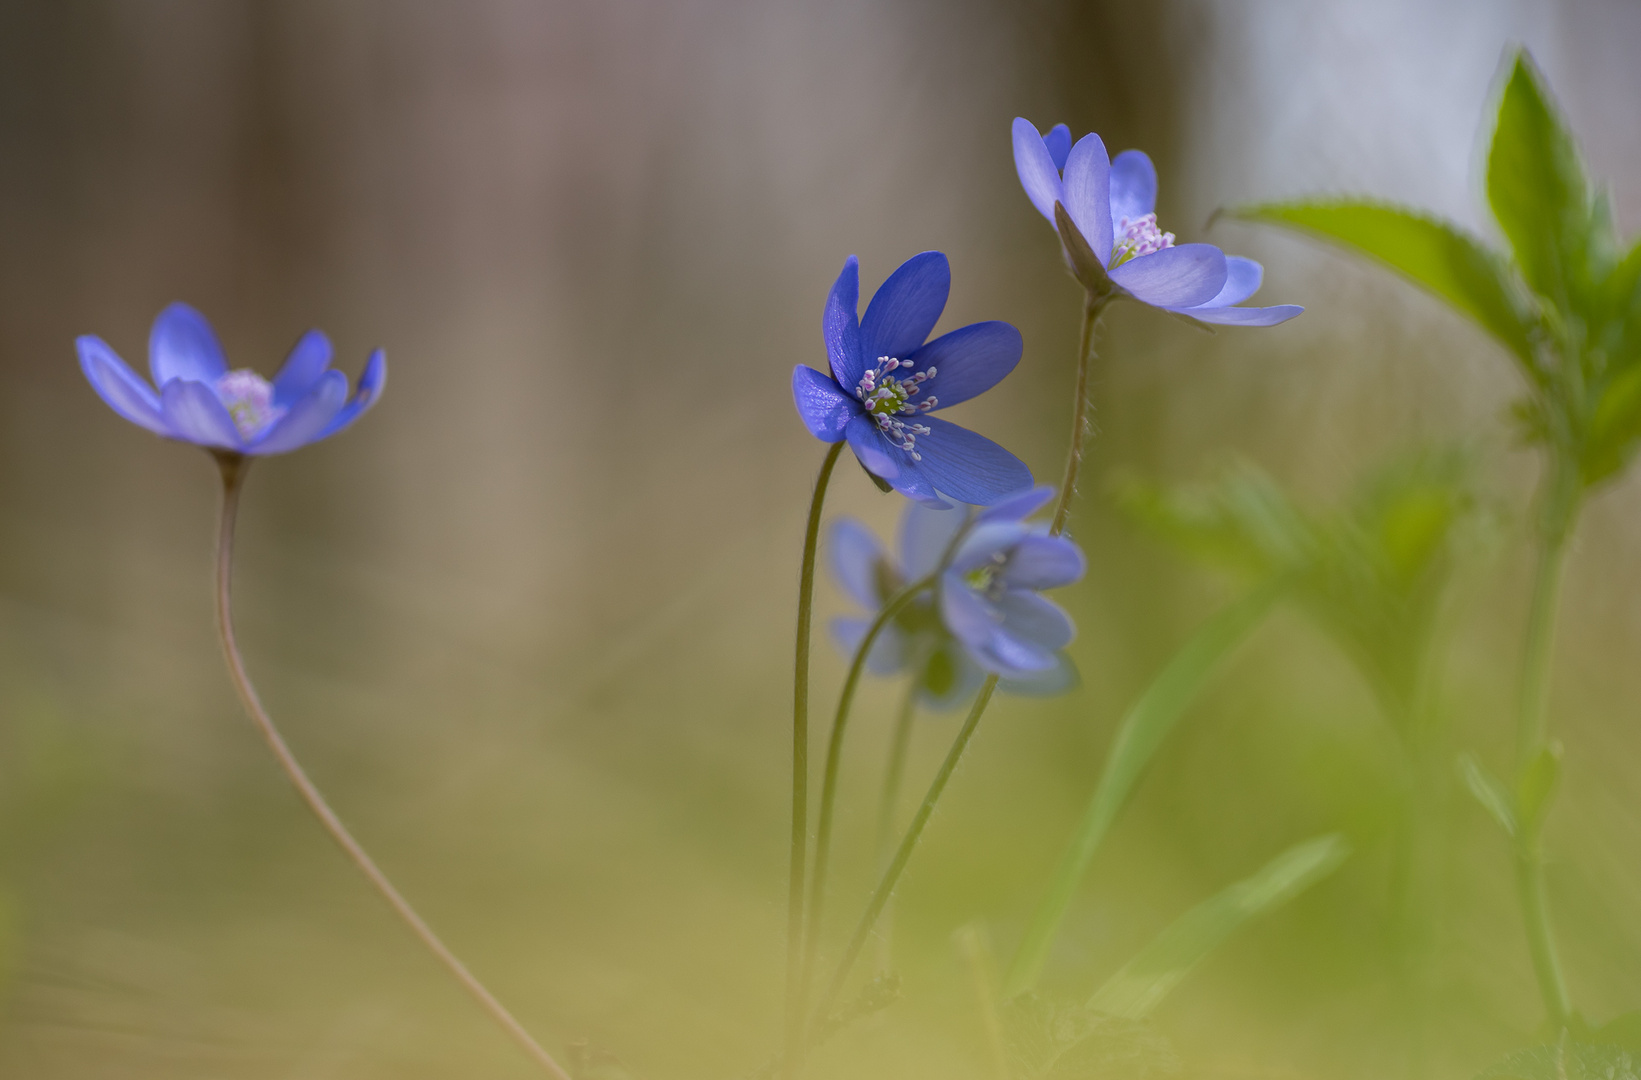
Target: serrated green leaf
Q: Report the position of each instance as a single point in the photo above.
(1536, 186)
(1490, 792)
(1565, 1061)
(1538, 783)
(1142, 730)
(1434, 254)
(1145, 980)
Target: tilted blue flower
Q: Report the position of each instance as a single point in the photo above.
(1113, 206)
(200, 401)
(919, 639)
(886, 378)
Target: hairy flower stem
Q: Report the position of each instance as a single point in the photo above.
(800, 770)
(903, 855)
(1092, 307)
(834, 756)
(894, 771)
(1559, 514)
(233, 468)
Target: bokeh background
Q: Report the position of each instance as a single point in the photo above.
(529, 623)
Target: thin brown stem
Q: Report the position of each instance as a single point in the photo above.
(1092, 306)
(233, 475)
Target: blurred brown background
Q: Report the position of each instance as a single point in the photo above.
(529, 623)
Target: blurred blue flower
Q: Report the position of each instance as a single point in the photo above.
(202, 402)
(920, 639)
(885, 380)
(1113, 205)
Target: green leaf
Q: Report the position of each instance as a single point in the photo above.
(1142, 730)
(1145, 980)
(1565, 1061)
(1537, 187)
(1538, 784)
(1434, 254)
(1614, 426)
(1490, 792)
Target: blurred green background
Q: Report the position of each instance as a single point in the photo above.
(529, 624)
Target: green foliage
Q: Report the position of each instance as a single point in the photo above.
(1566, 300)
(1566, 1060)
(1538, 784)
(1145, 980)
(1141, 731)
(1372, 573)
(1434, 254)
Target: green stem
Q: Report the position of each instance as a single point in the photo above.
(1092, 307)
(829, 786)
(1559, 514)
(233, 468)
(800, 759)
(903, 854)
(889, 801)
(1147, 723)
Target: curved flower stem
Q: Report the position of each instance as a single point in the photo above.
(829, 786)
(233, 474)
(800, 764)
(903, 855)
(893, 772)
(1092, 307)
(1560, 512)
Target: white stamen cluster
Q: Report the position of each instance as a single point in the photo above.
(888, 397)
(248, 397)
(1141, 236)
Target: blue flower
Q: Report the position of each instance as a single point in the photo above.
(1112, 206)
(885, 380)
(200, 401)
(919, 639)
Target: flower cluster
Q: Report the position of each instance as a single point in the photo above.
(985, 615)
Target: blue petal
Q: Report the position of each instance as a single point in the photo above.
(986, 543)
(1176, 277)
(968, 361)
(1017, 507)
(310, 419)
(870, 447)
(824, 408)
(968, 467)
(1133, 187)
(120, 387)
(1034, 619)
(888, 653)
(1243, 316)
(182, 345)
(1058, 142)
(1242, 280)
(857, 561)
(841, 327)
(1044, 562)
(366, 394)
(1088, 193)
(905, 308)
(980, 627)
(1038, 173)
(309, 358)
(195, 414)
(1056, 680)
(925, 534)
